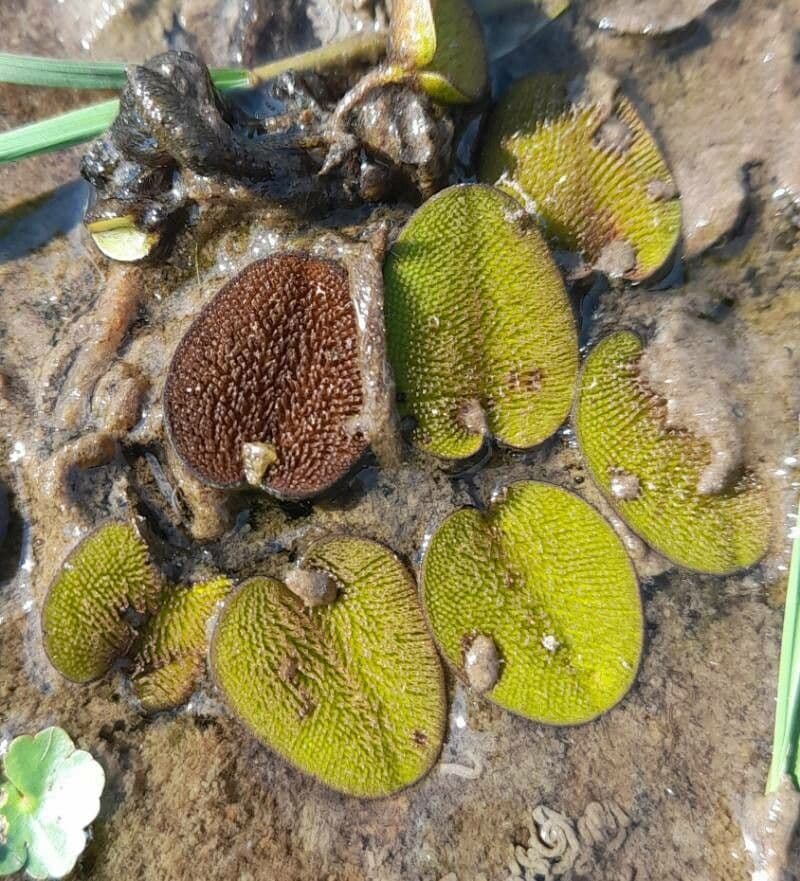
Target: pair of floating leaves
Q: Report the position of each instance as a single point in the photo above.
(49, 794)
(266, 383)
(595, 180)
(650, 472)
(480, 332)
(442, 42)
(350, 692)
(87, 619)
(545, 579)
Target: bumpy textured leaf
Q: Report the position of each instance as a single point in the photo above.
(50, 794)
(545, 577)
(83, 619)
(478, 322)
(622, 429)
(350, 692)
(586, 195)
(174, 643)
(443, 42)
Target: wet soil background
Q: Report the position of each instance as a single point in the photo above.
(190, 794)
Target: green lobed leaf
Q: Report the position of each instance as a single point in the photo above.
(51, 793)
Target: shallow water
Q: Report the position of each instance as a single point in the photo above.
(191, 794)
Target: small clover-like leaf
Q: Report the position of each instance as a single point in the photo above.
(50, 794)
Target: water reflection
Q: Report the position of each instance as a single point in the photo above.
(31, 224)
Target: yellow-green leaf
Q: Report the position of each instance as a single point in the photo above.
(592, 176)
(544, 577)
(480, 331)
(649, 471)
(350, 692)
(83, 619)
(170, 657)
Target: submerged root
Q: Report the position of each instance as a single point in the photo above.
(209, 510)
(341, 140)
(82, 357)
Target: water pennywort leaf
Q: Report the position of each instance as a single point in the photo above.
(50, 793)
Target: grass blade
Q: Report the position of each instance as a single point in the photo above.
(83, 124)
(27, 70)
(786, 742)
(225, 78)
(57, 132)
(86, 123)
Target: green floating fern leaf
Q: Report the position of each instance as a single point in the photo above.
(173, 644)
(593, 195)
(649, 471)
(542, 582)
(479, 328)
(84, 624)
(350, 692)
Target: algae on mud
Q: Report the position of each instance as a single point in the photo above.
(84, 615)
(480, 332)
(173, 643)
(546, 578)
(623, 433)
(350, 692)
(591, 175)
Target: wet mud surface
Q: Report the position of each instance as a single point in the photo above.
(84, 348)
